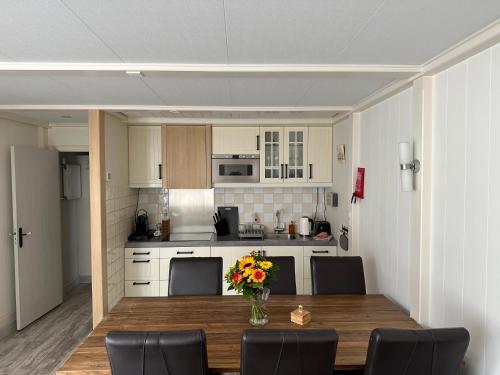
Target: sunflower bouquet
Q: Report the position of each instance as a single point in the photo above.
(250, 274)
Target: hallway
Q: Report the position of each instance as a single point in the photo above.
(43, 345)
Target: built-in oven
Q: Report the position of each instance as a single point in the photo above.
(235, 168)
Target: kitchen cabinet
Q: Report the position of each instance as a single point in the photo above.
(142, 272)
(187, 157)
(318, 251)
(296, 155)
(320, 154)
(235, 140)
(145, 156)
(296, 252)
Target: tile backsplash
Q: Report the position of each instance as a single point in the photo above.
(293, 203)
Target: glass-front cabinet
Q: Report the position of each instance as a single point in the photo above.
(283, 154)
(272, 166)
(295, 154)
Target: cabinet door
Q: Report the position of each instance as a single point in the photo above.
(187, 157)
(319, 154)
(229, 256)
(295, 154)
(296, 252)
(144, 156)
(234, 140)
(271, 155)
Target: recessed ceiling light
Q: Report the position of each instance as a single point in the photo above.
(134, 73)
(66, 116)
(174, 111)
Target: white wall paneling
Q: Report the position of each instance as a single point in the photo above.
(384, 214)
(465, 209)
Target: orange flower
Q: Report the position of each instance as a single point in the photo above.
(258, 275)
(237, 278)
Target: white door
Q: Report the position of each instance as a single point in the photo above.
(37, 232)
(319, 154)
(271, 155)
(295, 154)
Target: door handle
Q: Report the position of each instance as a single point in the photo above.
(286, 170)
(282, 173)
(185, 252)
(159, 171)
(21, 235)
(141, 261)
(134, 253)
(258, 143)
(141, 283)
(310, 171)
(320, 251)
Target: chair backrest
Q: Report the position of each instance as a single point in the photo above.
(285, 277)
(195, 277)
(337, 275)
(157, 353)
(416, 352)
(288, 352)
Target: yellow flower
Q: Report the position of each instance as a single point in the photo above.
(247, 272)
(265, 265)
(247, 262)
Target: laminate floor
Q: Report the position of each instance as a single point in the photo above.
(43, 345)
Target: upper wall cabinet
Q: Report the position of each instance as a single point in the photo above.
(296, 155)
(232, 140)
(187, 157)
(145, 165)
(319, 154)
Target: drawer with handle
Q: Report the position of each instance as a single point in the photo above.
(138, 288)
(142, 269)
(138, 253)
(184, 252)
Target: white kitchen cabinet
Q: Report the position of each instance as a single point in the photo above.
(145, 156)
(295, 154)
(296, 252)
(229, 256)
(271, 154)
(235, 140)
(309, 251)
(319, 154)
(141, 272)
(142, 288)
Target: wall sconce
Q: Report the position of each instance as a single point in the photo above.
(408, 166)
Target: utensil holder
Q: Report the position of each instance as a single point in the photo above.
(221, 228)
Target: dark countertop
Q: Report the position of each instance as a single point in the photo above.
(231, 240)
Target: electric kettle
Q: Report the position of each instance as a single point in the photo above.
(305, 226)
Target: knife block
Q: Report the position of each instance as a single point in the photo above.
(221, 228)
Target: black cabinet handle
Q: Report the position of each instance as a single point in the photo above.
(286, 170)
(320, 251)
(258, 143)
(282, 173)
(141, 261)
(141, 283)
(134, 253)
(159, 171)
(21, 235)
(310, 171)
(185, 252)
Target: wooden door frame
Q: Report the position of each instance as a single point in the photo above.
(98, 239)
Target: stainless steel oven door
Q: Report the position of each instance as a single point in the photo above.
(229, 169)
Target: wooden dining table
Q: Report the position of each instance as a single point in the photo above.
(224, 318)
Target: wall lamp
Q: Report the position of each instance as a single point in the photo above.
(408, 166)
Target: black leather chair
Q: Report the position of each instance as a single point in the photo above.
(337, 275)
(195, 277)
(285, 277)
(416, 352)
(157, 353)
(288, 352)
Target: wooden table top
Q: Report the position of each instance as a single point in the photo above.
(225, 317)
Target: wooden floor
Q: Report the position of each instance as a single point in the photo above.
(42, 346)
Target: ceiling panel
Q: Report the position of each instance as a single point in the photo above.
(412, 32)
(174, 31)
(46, 31)
(54, 117)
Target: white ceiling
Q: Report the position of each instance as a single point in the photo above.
(227, 32)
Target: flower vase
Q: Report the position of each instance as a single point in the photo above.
(258, 299)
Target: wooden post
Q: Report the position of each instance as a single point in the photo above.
(98, 216)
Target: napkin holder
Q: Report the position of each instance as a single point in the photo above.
(300, 316)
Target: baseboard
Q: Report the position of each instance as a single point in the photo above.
(86, 279)
(7, 325)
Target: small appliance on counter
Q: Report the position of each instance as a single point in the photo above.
(142, 231)
(305, 226)
(322, 226)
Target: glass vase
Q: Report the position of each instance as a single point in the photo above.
(258, 315)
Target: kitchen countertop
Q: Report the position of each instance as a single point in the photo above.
(231, 240)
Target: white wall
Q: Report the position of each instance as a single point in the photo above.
(384, 214)
(11, 133)
(342, 180)
(120, 205)
(83, 219)
(465, 253)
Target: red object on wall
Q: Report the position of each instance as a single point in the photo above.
(359, 188)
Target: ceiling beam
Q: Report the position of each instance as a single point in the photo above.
(210, 68)
(227, 121)
(72, 107)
